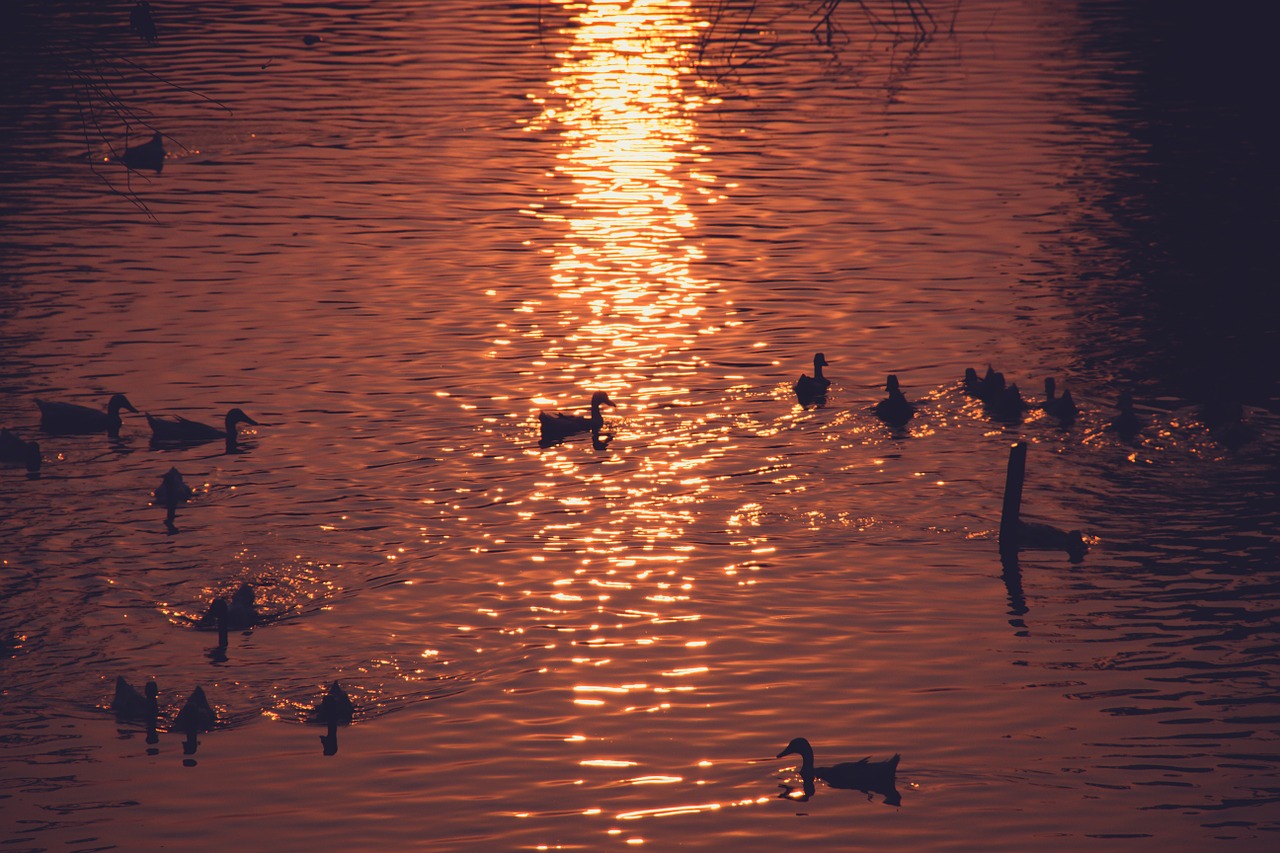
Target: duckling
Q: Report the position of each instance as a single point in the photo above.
(1063, 408)
(1036, 536)
(813, 389)
(179, 430)
(149, 155)
(1127, 423)
(556, 426)
(171, 492)
(864, 775)
(986, 389)
(130, 705)
(15, 451)
(1008, 405)
(335, 709)
(70, 418)
(894, 409)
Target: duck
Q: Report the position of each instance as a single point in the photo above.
(172, 491)
(1127, 422)
(179, 430)
(986, 389)
(1038, 536)
(557, 426)
(148, 155)
(813, 389)
(1063, 408)
(864, 775)
(131, 705)
(70, 418)
(335, 708)
(15, 451)
(895, 410)
(238, 614)
(1008, 405)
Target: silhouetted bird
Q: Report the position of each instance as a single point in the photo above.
(1037, 536)
(15, 451)
(1127, 423)
(813, 389)
(240, 614)
(864, 775)
(69, 418)
(179, 430)
(894, 409)
(131, 705)
(556, 426)
(149, 155)
(196, 716)
(171, 492)
(142, 22)
(986, 389)
(335, 709)
(1008, 405)
(1063, 408)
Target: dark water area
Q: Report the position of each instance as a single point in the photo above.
(393, 234)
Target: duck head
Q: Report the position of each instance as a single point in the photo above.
(237, 416)
(891, 384)
(600, 398)
(798, 746)
(118, 402)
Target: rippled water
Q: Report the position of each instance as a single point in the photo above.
(395, 244)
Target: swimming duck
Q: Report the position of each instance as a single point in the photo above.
(197, 715)
(1007, 405)
(179, 430)
(131, 705)
(864, 775)
(986, 389)
(813, 389)
(335, 708)
(149, 155)
(1063, 408)
(556, 426)
(894, 410)
(15, 451)
(1037, 536)
(1127, 423)
(70, 418)
(172, 491)
(239, 614)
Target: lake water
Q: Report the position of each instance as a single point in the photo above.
(393, 244)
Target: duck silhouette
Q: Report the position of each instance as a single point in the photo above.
(894, 410)
(73, 419)
(171, 492)
(1127, 422)
(557, 426)
(334, 710)
(986, 389)
(1038, 536)
(866, 775)
(813, 389)
(238, 614)
(197, 715)
(1063, 408)
(1006, 406)
(142, 22)
(129, 704)
(178, 430)
(148, 155)
(15, 451)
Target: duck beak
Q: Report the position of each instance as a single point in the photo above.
(784, 752)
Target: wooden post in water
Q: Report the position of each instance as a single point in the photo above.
(1013, 479)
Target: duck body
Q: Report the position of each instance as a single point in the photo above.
(895, 410)
(1037, 536)
(864, 775)
(73, 419)
(179, 430)
(149, 155)
(240, 613)
(988, 388)
(131, 705)
(557, 426)
(15, 451)
(1127, 422)
(1008, 405)
(335, 708)
(813, 389)
(196, 714)
(1063, 408)
(173, 490)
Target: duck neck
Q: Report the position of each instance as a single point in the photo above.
(817, 371)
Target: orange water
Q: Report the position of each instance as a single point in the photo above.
(394, 246)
